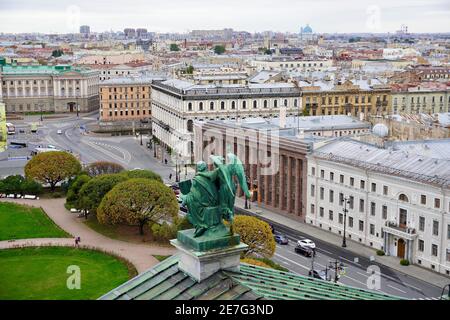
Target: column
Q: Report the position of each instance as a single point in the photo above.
(259, 177)
(15, 88)
(297, 187)
(274, 184)
(282, 182)
(289, 185)
(266, 189)
(66, 88)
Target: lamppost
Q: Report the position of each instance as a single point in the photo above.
(346, 200)
(177, 176)
(247, 202)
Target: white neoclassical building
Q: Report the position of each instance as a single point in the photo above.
(398, 199)
(176, 104)
(60, 88)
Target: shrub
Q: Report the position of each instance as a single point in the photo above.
(404, 262)
(255, 262)
(145, 174)
(380, 252)
(103, 167)
(74, 189)
(31, 187)
(165, 231)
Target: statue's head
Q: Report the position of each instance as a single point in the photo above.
(201, 166)
(217, 160)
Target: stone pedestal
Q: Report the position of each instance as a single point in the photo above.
(201, 264)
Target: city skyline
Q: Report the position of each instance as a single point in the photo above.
(178, 17)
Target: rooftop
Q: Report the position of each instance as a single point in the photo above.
(166, 282)
(431, 167)
(41, 69)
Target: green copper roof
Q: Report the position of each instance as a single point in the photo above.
(41, 69)
(166, 282)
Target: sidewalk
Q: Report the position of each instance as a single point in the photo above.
(352, 246)
(140, 255)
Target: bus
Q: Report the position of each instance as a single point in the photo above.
(11, 129)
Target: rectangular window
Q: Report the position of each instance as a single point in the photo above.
(385, 190)
(322, 174)
(341, 218)
(313, 189)
(434, 250)
(423, 199)
(352, 181)
(384, 212)
(448, 254)
(330, 215)
(313, 171)
(374, 187)
(341, 178)
(350, 222)
(437, 203)
(312, 208)
(422, 223)
(322, 191)
(372, 229)
(351, 202)
(435, 228)
(372, 208)
(421, 246)
(331, 176)
(321, 210)
(448, 231)
(362, 184)
(361, 225)
(331, 196)
(341, 198)
(361, 205)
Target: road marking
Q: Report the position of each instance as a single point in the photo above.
(408, 285)
(363, 274)
(298, 264)
(286, 263)
(350, 261)
(396, 288)
(357, 281)
(320, 249)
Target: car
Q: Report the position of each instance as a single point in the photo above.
(59, 132)
(319, 274)
(281, 239)
(306, 251)
(306, 243)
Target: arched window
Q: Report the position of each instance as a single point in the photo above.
(211, 105)
(190, 106)
(275, 103)
(200, 106)
(190, 126)
(222, 105)
(255, 104)
(233, 105)
(265, 103)
(403, 197)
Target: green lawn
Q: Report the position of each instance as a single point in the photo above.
(23, 222)
(41, 273)
(160, 257)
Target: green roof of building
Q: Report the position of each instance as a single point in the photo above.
(41, 69)
(166, 282)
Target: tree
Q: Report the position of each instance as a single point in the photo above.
(75, 187)
(219, 49)
(93, 191)
(57, 53)
(190, 69)
(174, 47)
(138, 173)
(138, 202)
(31, 187)
(52, 167)
(166, 231)
(268, 51)
(257, 234)
(12, 184)
(103, 167)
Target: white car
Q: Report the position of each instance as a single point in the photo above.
(306, 243)
(59, 132)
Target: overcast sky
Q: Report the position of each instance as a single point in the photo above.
(324, 16)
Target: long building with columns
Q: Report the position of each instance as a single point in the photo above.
(60, 88)
(176, 104)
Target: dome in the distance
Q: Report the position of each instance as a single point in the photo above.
(380, 130)
(307, 29)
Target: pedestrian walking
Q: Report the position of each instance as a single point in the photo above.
(170, 176)
(165, 161)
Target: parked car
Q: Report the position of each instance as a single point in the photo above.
(59, 132)
(307, 252)
(281, 239)
(319, 274)
(306, 243)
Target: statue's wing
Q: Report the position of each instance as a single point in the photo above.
(235, 165)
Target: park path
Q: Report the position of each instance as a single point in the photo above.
(140, 255)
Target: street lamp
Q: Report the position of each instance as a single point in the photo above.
(177, 176)
(346, 200)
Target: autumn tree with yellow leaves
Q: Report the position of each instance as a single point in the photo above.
(52, 167)
(255, 233)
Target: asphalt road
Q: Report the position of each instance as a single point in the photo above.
(356, 267)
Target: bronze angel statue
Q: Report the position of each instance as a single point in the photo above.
(210, 195)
